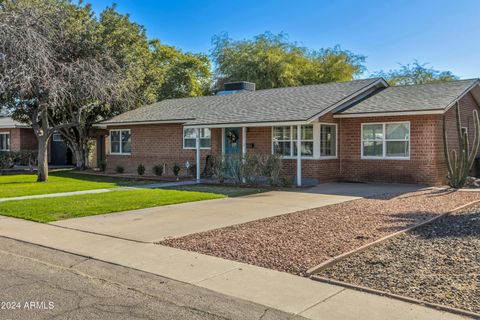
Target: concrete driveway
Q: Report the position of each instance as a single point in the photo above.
(156, 224)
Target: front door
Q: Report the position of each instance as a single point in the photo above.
(232, 141)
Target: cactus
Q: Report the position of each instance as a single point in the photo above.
(459, 163)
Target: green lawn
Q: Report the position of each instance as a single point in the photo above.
(59, 181)
(229, 191)
(52, 209)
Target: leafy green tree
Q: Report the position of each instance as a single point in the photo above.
(152, 72)
(53, 69)
(180, 74)
(272, 61)
(415, 73)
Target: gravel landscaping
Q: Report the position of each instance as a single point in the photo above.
(438, 263)
(298, 241)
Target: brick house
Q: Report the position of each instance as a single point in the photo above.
(362, 130)
(16, 136)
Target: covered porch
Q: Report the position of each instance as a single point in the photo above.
(273, 138)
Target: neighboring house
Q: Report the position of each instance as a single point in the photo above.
(362, 130)
(16, 136)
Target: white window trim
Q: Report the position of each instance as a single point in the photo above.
(293, 141)
(384, 141)
(194, 148)
(336, 141)
(316, 142)
(8, 134)
(120, 153)
(57, 140)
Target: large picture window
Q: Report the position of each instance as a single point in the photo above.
(328, 140)
(120, 142)
(386, 140)
(284, 141)
(189, 138)
(4, 141)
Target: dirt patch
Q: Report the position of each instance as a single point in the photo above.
(298, 241)
(437, 263)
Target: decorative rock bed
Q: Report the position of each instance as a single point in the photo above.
(437, 263)
(298, 241)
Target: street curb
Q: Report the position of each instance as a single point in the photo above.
(397, 297)
(342, 256)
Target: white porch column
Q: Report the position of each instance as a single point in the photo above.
(244, 142)
(299, 155)
(223, 144)
(197, 143)
(244, 147)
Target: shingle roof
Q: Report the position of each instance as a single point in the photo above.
(7, 122)
(425, 97)
(272, 105)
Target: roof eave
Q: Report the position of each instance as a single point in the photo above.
(132, 123)
(389, 114)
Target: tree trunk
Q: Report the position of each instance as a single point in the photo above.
(79, 154)
(42, 159)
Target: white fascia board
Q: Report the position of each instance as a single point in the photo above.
(134, 123)
(249, 124)
(388, 114)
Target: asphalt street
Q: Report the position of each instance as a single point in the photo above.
(41, 283)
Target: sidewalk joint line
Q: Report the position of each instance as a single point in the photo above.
(216, 275)
(321, 301)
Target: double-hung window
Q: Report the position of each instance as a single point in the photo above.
(120, 142)
(4, 141)
(284, 141)
(328, 140)
(190, 138)
(386, 140)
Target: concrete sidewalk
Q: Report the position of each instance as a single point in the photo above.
(275, 289)
(159, 223)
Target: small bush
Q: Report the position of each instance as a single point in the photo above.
(23, 158)
(272, 167)
(287, 182)
(176, 169)
(158, 170)
(141, 169)
(192, 170)
(6, 160)
(119, 169)
(102, 166)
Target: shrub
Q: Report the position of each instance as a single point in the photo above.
(192, 170)
(287, 182)
(23, 158)
(272, 167)
(6, 160)
(141, 169)
(102, 166)
(158, 170)
(119, 169)
(218, 168)
(176, 169)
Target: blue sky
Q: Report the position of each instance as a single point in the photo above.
(443, 33)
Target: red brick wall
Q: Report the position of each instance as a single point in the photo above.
(21, 139)
(427, 162)
(157, 144)
(28, 140)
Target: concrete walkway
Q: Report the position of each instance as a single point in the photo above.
(159, 223)
(93, 191)
(275, 289)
